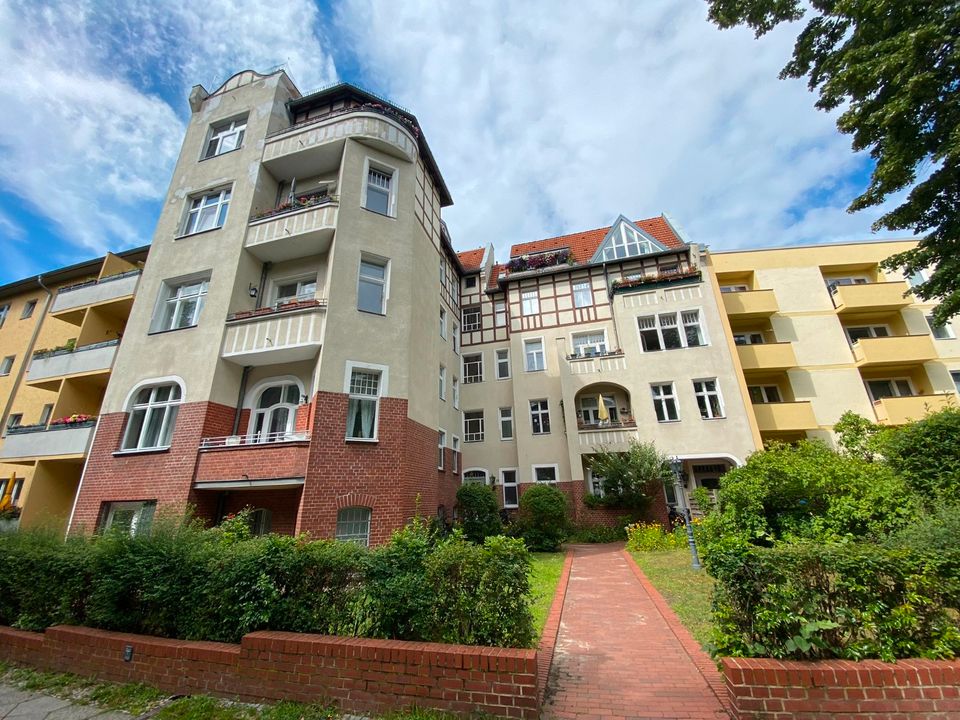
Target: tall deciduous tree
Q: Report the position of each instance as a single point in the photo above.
(894, 65)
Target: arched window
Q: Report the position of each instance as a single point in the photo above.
(353, 525)
(275, 412)
(475, 475)
(261, 522)
(153, 414)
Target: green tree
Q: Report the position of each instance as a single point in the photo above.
(926, 454)
(543, 518)
(631, 478)
(894, 66)
(479, 514)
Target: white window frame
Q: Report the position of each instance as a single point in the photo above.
(443, 383)
(578, 290)
(358, 538)
(703, 393)
(441, 448)
(661, 397)
(383, 388)
(170, 294)
(540, 413)
(955, 376)
(764, 392)
(4, 311)
(45, 414)
(734, 288)
(384, 283)
(515, 485)
(499, 313)
(472, 326)
(580, 334)
(620, 246)
(28, 309)
(443, 323)
(455, 455)
(527, 354)
(556, 473)
(138, 519)
(530, 301)
(946, 329)
(477, 436)
(6, 365)
(894, 386)
(502, 362)
(455, 387)
(748, 337)
(506, 417)
(456, 338)
(871, 331)
(384, 169)
(680, 326)
(306, 279)
(218, 198)
(252, 403)
(169, 408)
(219, 131)
(464, 362)
(470, 476)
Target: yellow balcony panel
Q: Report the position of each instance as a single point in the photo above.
(57, 442)
(871, 297)
(901, 410)
(70, 302)
(290, 333)
(750, 304)
(785, 416)
(294, 234)
(86, 360)
(769, 356)
(899, 350)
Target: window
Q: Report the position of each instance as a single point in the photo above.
(274, 416)
(508, 479)
(530, 302)
(130, 518)
(748, 338)
(4, 311)
(590, 344)
(45, 414)
(443, 382)
(153, 415)
(207, 211)
(733, 288)
(293, 290)
(225, 136)
(662, 332)
(506, 423)
(626, 243)
(470, 282)
(455, 455)
(867, 331)
(456, 338)
(28, 309)
(364, 403)
(372, 286)
(455, 385)
(471, 319)
(545, 474)
(261, 522)
(473, 368)
(763, 394)
(917, 278)
(887, 388)
(14, 420)
(539, 417)
(17, 490)
(353, 525)
(441, 447)
(708, 398)
(6, 365)
(379, 190)
(582, 294)
(180, 305)
(499, 313)
(955, 374)
(590, 409)
(664, 402)
(475, 477)
(503, 364)
(443, 323)
(596, 483)
(473, 426)
(940, 332)
(834, 283)
(534, 359)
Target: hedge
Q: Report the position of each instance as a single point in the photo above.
(184, 582)
(849, 601)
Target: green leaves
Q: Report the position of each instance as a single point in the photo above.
(631, 478)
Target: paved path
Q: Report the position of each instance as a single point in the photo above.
(621, 653)
(17, 704)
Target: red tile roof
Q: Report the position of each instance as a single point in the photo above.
(471, 259)
(584, 244)
(494, 276)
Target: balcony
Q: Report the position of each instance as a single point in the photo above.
(901, 410)
(785, 416)
(282, 334)
(71, 301)
(769, 356)
(39, 442)
(266, 461)
(296, 232)
(750, 304)
(591, 364)
(47, 368)
(870, 297)
(900, 350)
(616, 437)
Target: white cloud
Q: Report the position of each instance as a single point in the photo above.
(555, 117)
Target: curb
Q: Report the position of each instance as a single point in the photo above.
(548, 641)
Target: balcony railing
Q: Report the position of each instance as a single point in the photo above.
(870, 297)
(293, 231)
(285, 333)
(893, 350)
(38, 441)
(750, 304)
(82, 360)
(902, 410)
(259, 440)
(587, 364)
(95, 292)
(608, 425)
(767, 356)
(785, 416)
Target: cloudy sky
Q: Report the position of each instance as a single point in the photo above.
(545, 117)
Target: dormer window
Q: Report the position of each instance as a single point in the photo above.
(625, 240)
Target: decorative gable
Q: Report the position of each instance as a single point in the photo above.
(626, 240)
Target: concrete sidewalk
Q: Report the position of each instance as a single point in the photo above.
(17, 704)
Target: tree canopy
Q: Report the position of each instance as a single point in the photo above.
(894, 67)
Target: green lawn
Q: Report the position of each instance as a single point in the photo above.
(685, 589)
(543, 583)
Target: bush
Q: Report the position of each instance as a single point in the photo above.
(543, 518)
(479, 513)
(630, 479)
(647, 537)
(926, 454)
(936, 531)
(599, 533)
(851, 601)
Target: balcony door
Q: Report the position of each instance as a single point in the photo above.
(275, 412)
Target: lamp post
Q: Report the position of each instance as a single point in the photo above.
(676, 465)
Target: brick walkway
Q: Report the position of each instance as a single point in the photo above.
(621, 653)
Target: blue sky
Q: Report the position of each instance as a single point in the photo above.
(544, 117)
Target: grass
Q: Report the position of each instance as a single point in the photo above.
(544, 577)
(687, 590)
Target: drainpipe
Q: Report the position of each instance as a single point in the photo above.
(263, 284)
(27, 355)
(243, 390)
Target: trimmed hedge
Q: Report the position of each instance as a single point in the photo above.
(184, 582)
(850, 601)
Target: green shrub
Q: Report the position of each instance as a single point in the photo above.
(926, 453)
(543, 518)
(479, 513)
(851, 601)
(599, 533)
(631, 479)
(934, 531)
(647, 537)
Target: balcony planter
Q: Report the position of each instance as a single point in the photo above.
(540, 261)
(655, 280)
(298, 204)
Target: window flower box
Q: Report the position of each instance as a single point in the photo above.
(540, 261)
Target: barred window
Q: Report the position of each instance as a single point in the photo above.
(353, 525)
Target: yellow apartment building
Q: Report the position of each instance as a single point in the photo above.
(822, 329)
(59, 334)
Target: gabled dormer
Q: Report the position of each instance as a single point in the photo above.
(626, 240)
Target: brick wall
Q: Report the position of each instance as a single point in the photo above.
(764, 689)
(257, 462)
(360, 675)
(581, 514)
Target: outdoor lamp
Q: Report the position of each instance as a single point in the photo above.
(676, 466)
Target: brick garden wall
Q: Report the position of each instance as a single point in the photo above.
(359, 675)
(580, 514)
(764, 689)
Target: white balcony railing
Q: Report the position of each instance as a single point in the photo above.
(86, 359)
(96, 292)
(288, 333)
(255, 440)
(53, 442)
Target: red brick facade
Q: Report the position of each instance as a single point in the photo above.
(360, 675)
(764, 689)
(582, 514)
